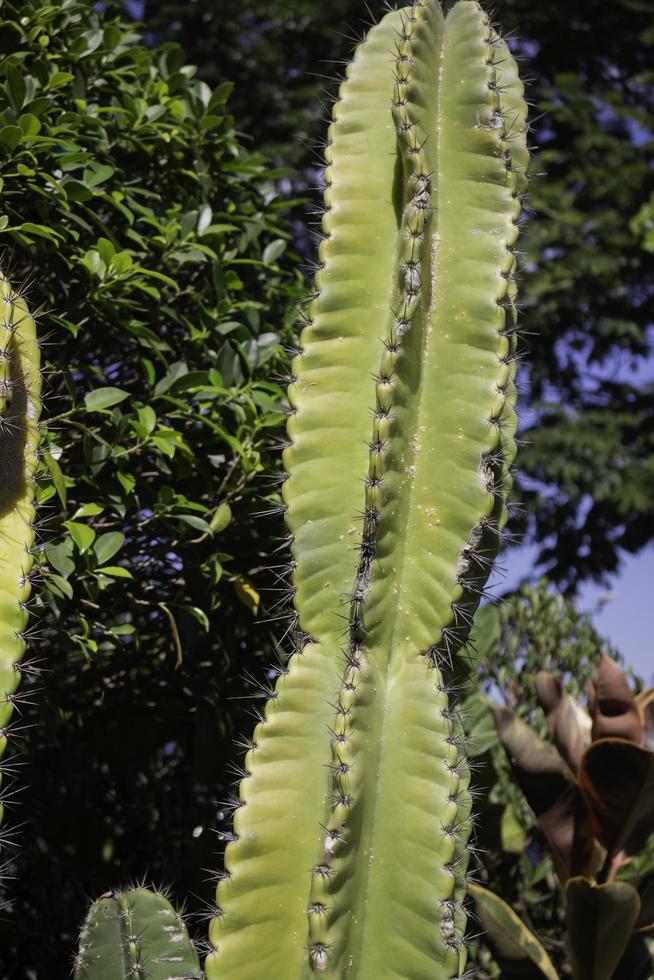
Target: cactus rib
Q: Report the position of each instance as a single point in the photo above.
(20, 408)
(284, 796)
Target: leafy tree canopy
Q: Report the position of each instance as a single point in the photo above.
(150, 239)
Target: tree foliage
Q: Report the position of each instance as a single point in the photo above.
(150, 239)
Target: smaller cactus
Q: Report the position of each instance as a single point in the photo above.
(136, 933)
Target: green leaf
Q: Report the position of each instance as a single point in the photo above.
(29, 124)
(193, 521)
(16, 87)
(123, 629)
(57, 476)
(82, 535)
(204, 219)
(518, 953)
(481, 725)
(41, 231)
(11, 136)
(58, 555)
(273, 251)
(59, 585)
(88, 510)
(102, 398)
(199, 615)
(247, 594)
(221, 518)
(511, 833)
(60, 78)
(98, 173)
(107, 545)
(114, 571)
(147, 418)
(601, 919)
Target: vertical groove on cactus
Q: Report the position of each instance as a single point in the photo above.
(415, 324)
(20, 408)
(136, 933)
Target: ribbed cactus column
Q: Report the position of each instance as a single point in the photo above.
(399, 470)
(20, 408)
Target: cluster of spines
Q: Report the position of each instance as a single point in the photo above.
(20, 407)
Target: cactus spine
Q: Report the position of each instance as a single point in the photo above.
(20, 408)
(135, 933)
(357, 769)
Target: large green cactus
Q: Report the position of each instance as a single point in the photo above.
(350, 847)
(20, 408)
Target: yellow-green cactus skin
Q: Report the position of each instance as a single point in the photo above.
(20, 409)
(350, 846)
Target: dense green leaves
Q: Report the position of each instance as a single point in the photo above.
(151, 240)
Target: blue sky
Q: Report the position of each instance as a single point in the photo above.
(623, 611)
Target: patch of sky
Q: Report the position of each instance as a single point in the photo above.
(620, 610)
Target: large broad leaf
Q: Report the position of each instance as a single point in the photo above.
(612, 704)
(645, 703)
(567, 722)
(551, 792)
(601, 919)
(637, 962)
(646, 891)
(617, 780)
(515, 949)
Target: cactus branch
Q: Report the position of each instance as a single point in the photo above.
(20, 408)
(135, 934)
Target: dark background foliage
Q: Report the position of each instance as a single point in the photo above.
(162, 248)
(150, 238)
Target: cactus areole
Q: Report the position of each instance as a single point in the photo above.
(350, 847)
